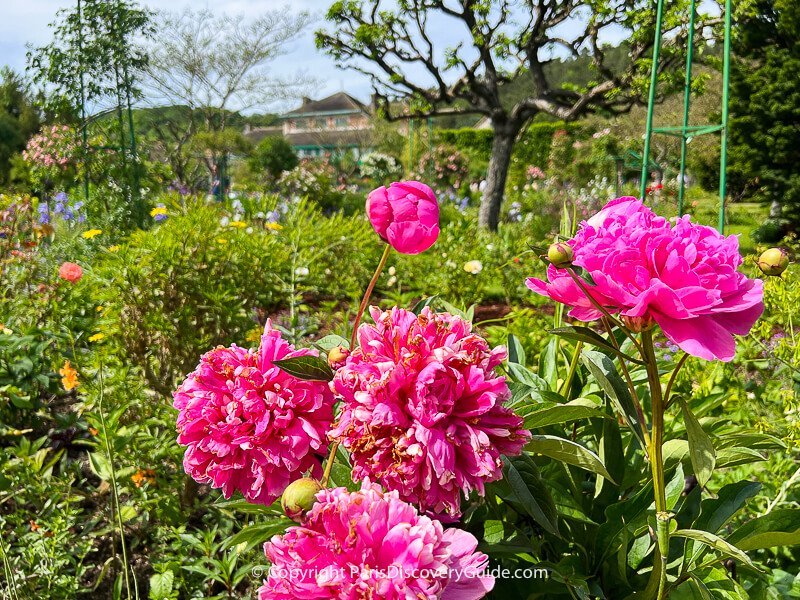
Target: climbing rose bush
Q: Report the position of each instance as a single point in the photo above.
(371, 544)
(423, 409)
(680, 275)
(250, 426)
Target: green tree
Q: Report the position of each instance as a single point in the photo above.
(397, 46)
(765, 106)
(19, 119)
(273, 155)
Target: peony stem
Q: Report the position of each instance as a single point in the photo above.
(657, 460)
(368, 293)
(329, 466)
(362, 307)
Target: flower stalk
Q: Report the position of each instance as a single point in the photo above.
(657, 459)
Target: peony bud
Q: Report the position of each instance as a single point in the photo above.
(560, 255)
(299, 497)
(337, 357)
(773, 262)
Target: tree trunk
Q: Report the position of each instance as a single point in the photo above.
(503, 143)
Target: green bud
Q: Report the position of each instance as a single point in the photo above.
(299, 497)
(560, 255)
(773, 262)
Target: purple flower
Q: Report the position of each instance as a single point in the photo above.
(44, 213)
(59, 208)
(61, 197)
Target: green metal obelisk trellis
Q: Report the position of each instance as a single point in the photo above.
(685, 131)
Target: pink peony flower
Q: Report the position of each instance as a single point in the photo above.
(681, 275)
(406, 215)
(371, 544)
(423, 409)
(250, 426)
(70, 272)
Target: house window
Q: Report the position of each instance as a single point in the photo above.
(341, 121)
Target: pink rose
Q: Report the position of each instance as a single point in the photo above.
(406, 215)
(70, 272)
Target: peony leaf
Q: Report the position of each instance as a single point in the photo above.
(423, 304)
(538, 415)
(716, 543)
(528, 490)
(309, 368)
(777, 528)
(602, 369)
(701, 450)
(588, 336)
(329, 342)
(259, 533)
(569, 452)
(516, 353)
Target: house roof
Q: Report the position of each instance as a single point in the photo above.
(256, 134)
(335, 104)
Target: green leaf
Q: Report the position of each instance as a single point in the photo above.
(602, 369)
(309, 368)
(253, 535)
(100, 465)
(161, 585)
(548, 363)
(423, 304)
(716, 512)
(569, 452)
(588, 336)
(701, 450)
(527, 377)
(778, 528)
(733, 457)
(329, 342)
(516, 353)
(544, 415)
(715, 542)
(529, 491)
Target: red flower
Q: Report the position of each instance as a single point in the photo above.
(70, 272)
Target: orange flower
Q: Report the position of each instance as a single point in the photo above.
(69, 376)
(143, 475)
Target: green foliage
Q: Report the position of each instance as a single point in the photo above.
(19, 119)
(764, 106)
(272, 156)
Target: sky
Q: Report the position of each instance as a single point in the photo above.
(26, 22)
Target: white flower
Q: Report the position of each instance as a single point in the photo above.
(392, 271)
(489, 247)
(224, 221)
(301, 271)
(392, 281)
(473, 266)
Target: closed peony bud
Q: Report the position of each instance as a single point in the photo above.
(299, 497)
(773, 262)
(560, 254)
(337, 357)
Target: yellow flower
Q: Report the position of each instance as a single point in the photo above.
(89, 234)
(473, 266)
(222, 241)
(253, 335)
(238, 224)
(113, 248)
(274, 226)
(100, 308)
(96, 337)
(69, 376)
(158, 210)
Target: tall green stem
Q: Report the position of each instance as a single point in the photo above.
(368, 294)
(361, 308)
(657, 459)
